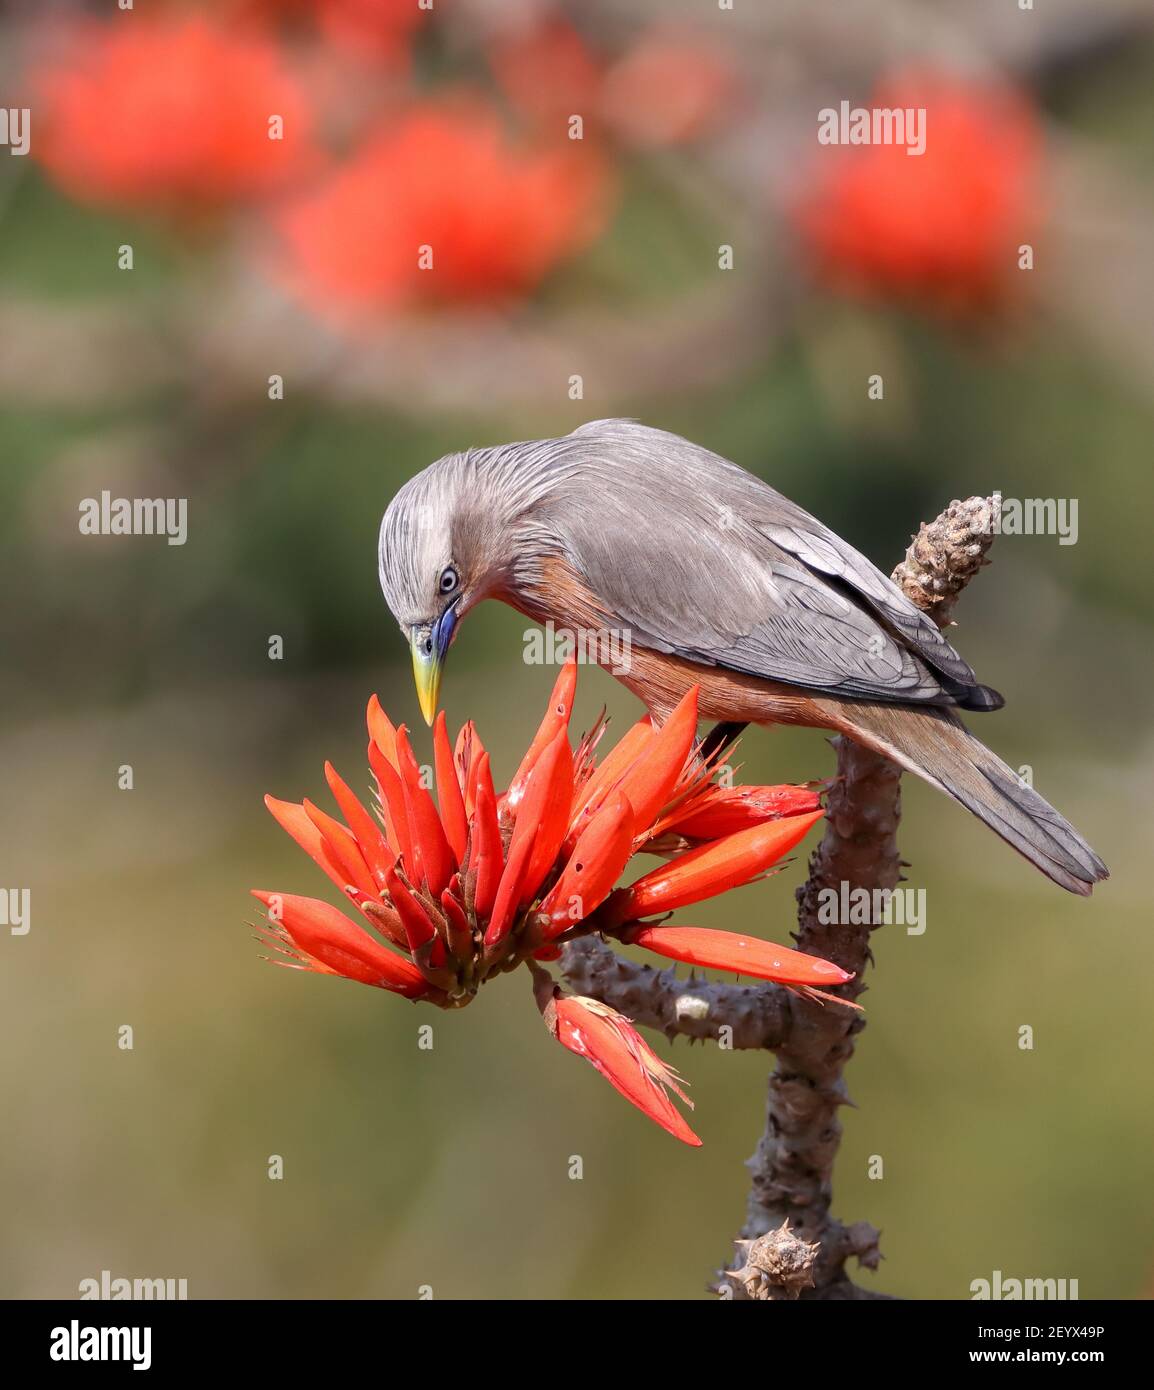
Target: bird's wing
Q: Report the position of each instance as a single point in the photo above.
(696, 557)
(773, 619)
(823, 552)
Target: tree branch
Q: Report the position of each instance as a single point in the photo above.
(792, 1168)
(756, 1015)
(791, 1246)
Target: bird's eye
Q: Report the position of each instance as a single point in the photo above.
(448, 581)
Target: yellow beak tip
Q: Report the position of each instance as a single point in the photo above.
(427, 679)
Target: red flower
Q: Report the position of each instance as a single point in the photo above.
(717, 811)
(712, 868)
(171, 113)
(377, 29)
(383, 28)
(473, 885)
(672, 86)
(441, 206)
(546, 69)
(607, 1039)
(724, 950)
(323, 939)
(943, 227)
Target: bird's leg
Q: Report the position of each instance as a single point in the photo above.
(720, 737)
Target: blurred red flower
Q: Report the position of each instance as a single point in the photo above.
(170, 113)
(671, 86)
(380, 30)
(474, 885)
(546, 69)
(941, 228)
(440, 206)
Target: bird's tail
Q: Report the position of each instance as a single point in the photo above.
(936, 745)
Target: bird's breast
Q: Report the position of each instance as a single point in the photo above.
(559, 597)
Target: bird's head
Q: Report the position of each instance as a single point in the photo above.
(451, 537)
(431, 570)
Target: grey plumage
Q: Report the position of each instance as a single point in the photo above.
(704, 563)
(934, 743)
(765, 588)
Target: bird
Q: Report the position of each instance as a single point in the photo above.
(705, 576)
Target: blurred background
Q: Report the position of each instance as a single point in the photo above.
(573, 279)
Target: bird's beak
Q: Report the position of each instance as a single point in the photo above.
(429, 645)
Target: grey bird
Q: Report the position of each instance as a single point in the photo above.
(706, 576)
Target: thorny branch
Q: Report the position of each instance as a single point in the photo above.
(758, 1015)
(790, 1245)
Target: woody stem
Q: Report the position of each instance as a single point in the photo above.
(790, 1244)
(792, 1167)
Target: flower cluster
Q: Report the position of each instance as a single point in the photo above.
(941, 229)
(477, 883)
(496, 215)
(387, 185)
(172, 114)
(370, 185)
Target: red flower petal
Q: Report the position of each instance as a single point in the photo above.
(343, 848)
(537, 833)
(449, 798)
(718, 811)
(509, 891)
(606, 776)
(488, 851)
(432, 858)
(391, 795)
(459, 934)
(598, 859)
(544, 812)
(378, 856)
(326, 935)
(650, 781)
(556, 718)
(723, 950)
(291, 816)
(419, 926)
(711, 869)
(607, 1039)
(481, 773)
(382, 731)
(467, 754)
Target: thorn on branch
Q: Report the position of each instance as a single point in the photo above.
(777, 1265)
